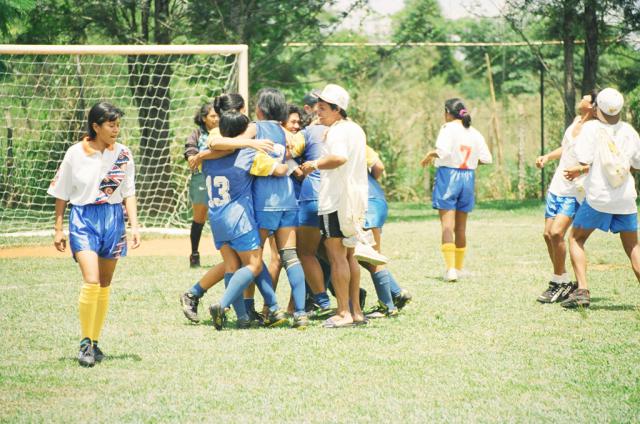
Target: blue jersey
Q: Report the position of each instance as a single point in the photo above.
(229, 186)
(274, 193)
(313, 149)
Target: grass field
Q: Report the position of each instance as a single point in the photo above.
(478, 350)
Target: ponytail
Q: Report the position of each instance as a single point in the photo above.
(456, 108)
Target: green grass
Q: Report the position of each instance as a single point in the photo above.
(478, 350)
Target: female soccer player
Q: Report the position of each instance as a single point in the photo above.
(562, 204)
(610, 147)
(459, 149)
(96, 176)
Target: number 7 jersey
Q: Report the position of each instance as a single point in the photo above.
(461, 148)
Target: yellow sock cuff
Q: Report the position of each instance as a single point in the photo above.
(103, 296)
(460, 251)
(89, 293)
(449, 253)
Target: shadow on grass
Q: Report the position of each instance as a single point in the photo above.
(120, 357)
(613, 307)
(509, 205)
(422, 211)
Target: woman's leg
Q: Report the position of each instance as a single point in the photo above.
(106, 270)
(199, 219)
(380, 276)
(630, 243)
(286, 242)
(340, 278)
(577, 239)
(448, 247)
(88, 303)
(460, 231)
(557, 233)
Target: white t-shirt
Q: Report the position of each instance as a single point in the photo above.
(560, 186)
(600, 195)
(460, 147)
(344, 138)
(87, 176)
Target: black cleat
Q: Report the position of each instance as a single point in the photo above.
(255, 317)
(86, 357)
(189, 304)
(217, 316)
(276, 319)
(194, 260)
(402, 299)
(97, 353)
(567, 289)
(300, 321)
(580, 298)
(363, 297)
(551, 294)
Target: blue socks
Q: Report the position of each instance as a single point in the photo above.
(381, 281)
(393, 284)
(235, 284)
(322, 299)
(295, 274)
(249, 304)
(265, 286)
(197, 290)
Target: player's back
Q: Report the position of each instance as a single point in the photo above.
(273, 193)
(313, 137)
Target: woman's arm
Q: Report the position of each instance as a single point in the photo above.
(196, 161)
(325, 162)
(542, 160)
(191, 146)
(131, 205)
(575, 171)
(59, 239)
(429, 157)
(377, 170)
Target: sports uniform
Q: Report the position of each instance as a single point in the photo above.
(311, 149)
(459, 151)
(95, 184)
(562, 195)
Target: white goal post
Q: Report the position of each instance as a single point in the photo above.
(46, 91)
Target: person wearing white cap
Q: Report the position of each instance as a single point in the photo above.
(342, 199)
(608, 148)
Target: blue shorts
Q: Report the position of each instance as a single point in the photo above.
(589, 218)
(453, 189)
(99, 228)
(560, 205)
(243, 243)
(272, 220)
(377, 211)
(308, 214)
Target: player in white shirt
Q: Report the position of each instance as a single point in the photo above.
(562, 203)
(459, 150)
(610, 147)
(342, 200)
(96, 176)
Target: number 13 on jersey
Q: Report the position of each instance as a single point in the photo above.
(223, 197)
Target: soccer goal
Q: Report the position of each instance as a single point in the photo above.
(46, 91)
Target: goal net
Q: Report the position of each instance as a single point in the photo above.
(45, 94)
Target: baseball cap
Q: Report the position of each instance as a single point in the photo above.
(335, 94)
(610, 101)
(311, 98)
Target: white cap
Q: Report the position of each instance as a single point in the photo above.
(610, 101)
(335, 94)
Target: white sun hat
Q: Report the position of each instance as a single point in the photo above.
(610, 101)
(333, 93)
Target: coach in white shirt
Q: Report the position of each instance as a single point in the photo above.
(342, 199)
(610, 148)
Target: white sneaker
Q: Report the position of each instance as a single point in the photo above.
(368, 254)
(450, 275)
(463, 274)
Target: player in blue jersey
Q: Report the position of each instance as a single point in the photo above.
(229, 181)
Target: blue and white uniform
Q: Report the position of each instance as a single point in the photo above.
(229, 181)
(606, 207)
(459, 151)
(377, 208)
(95, 184)
(562, 196)
(274, 198)
(311, 149)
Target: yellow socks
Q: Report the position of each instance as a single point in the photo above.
(101, 312)
(449, 253)
(87, 307)
(460, 257)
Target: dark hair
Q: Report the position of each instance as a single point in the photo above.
(456, 108)
(594, 95)
(233, 123)
(202, 113)
(334, 106)
(228, 101)
(99, 114)
(291, 110)
(272, 104)
(311, 98)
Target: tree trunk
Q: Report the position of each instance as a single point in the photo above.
(568, 38)
(590, 72)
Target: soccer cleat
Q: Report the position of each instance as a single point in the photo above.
(450, 275)
(243, 324)
(194, 260)
(300, 321)
(218, 316)
(97, 353)
(255, 317)
(551, 294)
(579, 298)
(567, 289)
(365, 253)
(402, 299)
(276, 318)
(377, 311)
(322, 313)
(86, 356)
(363, 297)
(189, 304)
